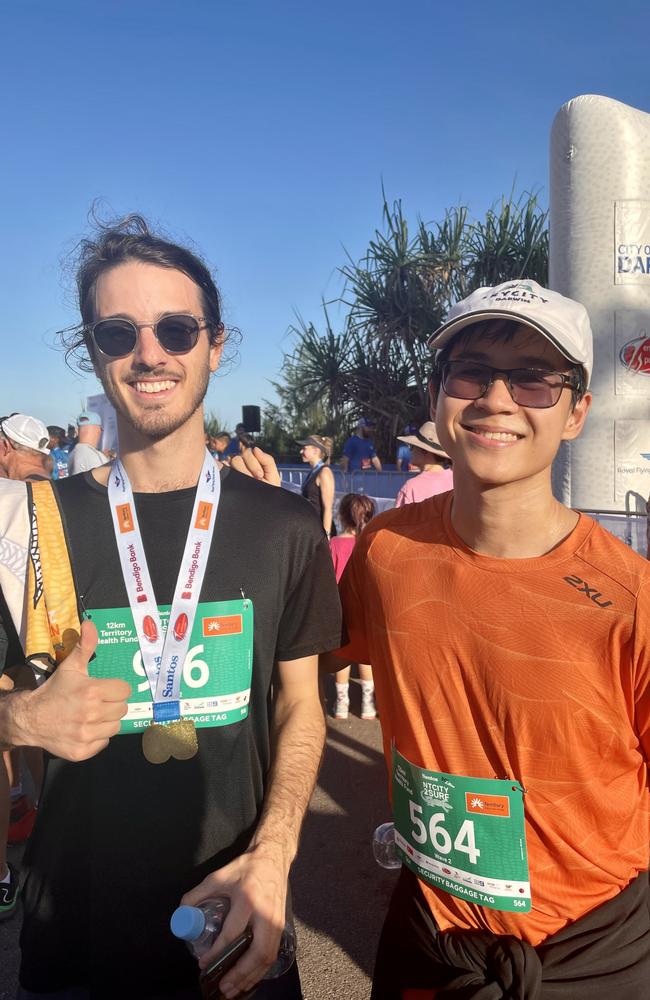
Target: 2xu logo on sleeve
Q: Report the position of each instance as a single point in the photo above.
(591, 592)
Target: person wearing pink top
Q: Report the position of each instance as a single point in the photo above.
(428, 455)
(355, 510)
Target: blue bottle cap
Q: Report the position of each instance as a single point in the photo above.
(187, 923)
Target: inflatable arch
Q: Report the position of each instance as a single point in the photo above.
(600, 255)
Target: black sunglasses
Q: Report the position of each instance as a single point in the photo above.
(176, 333)
(530, 387)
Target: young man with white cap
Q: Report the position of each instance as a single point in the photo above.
(24, 452)
(86, 454)
(428, 455)
(509, 642)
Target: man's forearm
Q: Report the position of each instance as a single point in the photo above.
(298, 741)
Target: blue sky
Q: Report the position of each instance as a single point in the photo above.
(262, 132)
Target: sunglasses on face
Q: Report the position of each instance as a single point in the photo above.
(530, 387)
(176, 334)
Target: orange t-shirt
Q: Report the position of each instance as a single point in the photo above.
(532, 669)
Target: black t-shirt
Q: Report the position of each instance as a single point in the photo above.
(118, 840)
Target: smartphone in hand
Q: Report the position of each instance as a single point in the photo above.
(210, 979)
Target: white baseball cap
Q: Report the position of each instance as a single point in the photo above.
(564, 322)
(27, 431)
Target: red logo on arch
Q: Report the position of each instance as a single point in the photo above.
(635, 355)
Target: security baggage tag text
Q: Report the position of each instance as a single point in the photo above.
(463, 835)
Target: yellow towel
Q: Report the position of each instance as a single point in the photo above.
(52, 619)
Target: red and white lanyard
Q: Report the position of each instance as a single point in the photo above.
(163, 654)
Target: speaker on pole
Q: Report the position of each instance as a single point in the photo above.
(250, 418)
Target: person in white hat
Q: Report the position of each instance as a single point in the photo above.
(508, 637)
(24, 452)
(428, 455)
(24, 457)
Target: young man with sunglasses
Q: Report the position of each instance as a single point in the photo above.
(212, 626)
(509, 642)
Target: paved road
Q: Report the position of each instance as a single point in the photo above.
(340, 895)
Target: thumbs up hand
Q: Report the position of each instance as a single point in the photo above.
(72, 715)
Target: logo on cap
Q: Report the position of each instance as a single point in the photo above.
(518, 292)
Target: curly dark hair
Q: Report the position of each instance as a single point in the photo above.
(131, 239)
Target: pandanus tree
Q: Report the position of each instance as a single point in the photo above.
(393, 299)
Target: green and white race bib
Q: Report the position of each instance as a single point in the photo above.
(463, 835)
(216, 679)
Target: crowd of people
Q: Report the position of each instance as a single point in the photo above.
(501, 637)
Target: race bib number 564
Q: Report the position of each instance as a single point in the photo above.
(463, 835)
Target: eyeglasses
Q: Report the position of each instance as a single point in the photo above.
(531, 387)
(176, 333)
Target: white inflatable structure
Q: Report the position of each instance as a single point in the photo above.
(600, 255)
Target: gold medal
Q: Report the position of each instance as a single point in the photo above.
(174, 739)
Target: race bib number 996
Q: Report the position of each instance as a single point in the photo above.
(463, 835)
(217, 671)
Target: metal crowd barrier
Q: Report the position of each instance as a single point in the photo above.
(629, 526)
(383, 484)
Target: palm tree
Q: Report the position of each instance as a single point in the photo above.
(396, 296)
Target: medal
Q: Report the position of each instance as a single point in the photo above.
(163, 652)
(175, 739)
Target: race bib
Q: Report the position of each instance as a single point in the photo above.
(465, 836)
(216, 679)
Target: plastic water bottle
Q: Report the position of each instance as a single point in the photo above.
(384, 847)
(199, 926)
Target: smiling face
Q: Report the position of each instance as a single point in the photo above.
(493, 440)
(153, 392)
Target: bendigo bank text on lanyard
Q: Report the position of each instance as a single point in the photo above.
(163, 654)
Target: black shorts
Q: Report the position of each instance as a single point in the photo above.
(403, 960)
(605, 954)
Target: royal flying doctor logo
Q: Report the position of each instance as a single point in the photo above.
(180, 627)
(149, 628)
(635, 355)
